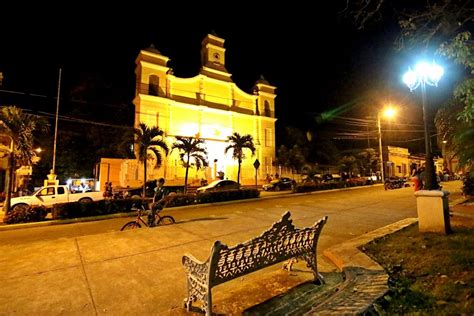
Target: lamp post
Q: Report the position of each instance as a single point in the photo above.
(422, 75)
(388, 112)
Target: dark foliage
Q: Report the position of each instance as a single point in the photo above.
(26, 215)
(468, 185)
(103, 207)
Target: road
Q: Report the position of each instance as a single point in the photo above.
(356, 210)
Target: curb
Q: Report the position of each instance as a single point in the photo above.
(458, 201)
(365, 280)
(4, 227)
(348, 254)
(65, 221)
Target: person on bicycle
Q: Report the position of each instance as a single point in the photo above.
(160, 193)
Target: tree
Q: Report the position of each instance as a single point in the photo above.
(442, 26)
(461, 50)
(311, 146)
(238, 143)
(190, 147)
(348, 164)
(323, 151)
(367, 161)
(149, 140)
(456, 135)
(292, 158)
(19, 127)
(95, 121)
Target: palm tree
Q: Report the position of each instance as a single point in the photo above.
(190, 147)
(18, 127)
(238, 144)
(149, 140)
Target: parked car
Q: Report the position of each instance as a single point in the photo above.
(312, 179)
(219, 185)
(331, 178)
(49, 195)
(279, 184)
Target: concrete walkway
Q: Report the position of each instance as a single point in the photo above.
(140, 271)
(131, 272)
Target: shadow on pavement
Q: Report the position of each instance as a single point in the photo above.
(201, 219)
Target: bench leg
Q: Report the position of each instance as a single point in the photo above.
(208, 303)
(188, 301)
(313, 265)
(187, 304)
(319, 279)
(289, 264)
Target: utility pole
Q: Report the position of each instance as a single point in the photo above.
(382, 171)
(51, 177)
(56, 124)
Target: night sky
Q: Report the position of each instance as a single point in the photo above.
(317, 60)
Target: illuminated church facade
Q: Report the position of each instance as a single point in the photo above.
(209, 106)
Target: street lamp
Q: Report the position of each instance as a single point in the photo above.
(422, 75)
(389, 113)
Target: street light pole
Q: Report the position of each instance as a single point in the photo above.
(423, 74)
(430, 173)
(423, 105)
(382, 169)
(388, 112)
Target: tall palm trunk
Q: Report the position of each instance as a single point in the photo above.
(8, 184)
(186, 177)
(144, 179)
(238, 172)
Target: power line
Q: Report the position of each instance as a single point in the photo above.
(75, 120)
(106, 104)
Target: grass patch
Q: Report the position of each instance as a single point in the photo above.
(430, 274)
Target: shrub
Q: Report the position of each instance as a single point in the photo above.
(102, 207)
(179, 199)
(26, 215)
(468, 185)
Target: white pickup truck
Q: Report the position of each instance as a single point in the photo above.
(50, 195)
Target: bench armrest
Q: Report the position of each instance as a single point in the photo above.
(196, 269)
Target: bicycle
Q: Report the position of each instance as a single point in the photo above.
(159, 220)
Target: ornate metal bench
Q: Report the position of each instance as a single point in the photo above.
(279, 243)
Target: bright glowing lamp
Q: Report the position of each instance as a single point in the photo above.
(425, 74)
(389, 112)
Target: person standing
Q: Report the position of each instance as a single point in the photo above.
(160, 193)
(416, 179)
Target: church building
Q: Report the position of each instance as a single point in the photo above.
(209, 106)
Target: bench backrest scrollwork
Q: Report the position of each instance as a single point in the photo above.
(279, 243)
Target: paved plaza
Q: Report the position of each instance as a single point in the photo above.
(140, 271)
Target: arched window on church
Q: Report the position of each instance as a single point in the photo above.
(267, 109)
(153, 85)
